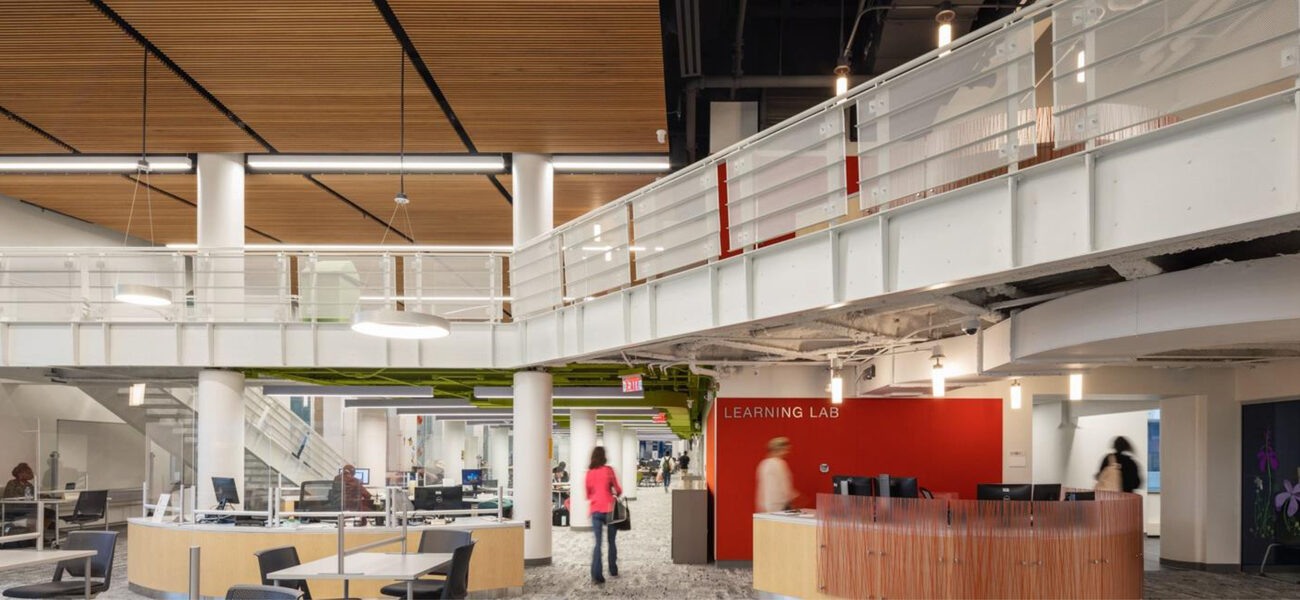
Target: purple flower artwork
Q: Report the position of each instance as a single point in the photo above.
(1267, 458)
(1292, 494)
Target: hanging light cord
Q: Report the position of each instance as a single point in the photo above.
(401, 154)
(142, 167)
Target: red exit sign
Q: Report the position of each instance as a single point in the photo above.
(661, 418)
(631, 383)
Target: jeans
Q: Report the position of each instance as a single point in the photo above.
(599, 523)
(668, 480)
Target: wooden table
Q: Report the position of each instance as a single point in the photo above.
(366, 565)
(13, 559)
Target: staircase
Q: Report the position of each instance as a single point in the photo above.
(279, 440)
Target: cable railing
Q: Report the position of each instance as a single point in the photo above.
(1056, 79)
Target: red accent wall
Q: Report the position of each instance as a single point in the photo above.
(948, 444)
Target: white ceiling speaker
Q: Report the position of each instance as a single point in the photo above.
(142, 295)
(400, 324)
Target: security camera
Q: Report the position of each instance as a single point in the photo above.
(970, 326)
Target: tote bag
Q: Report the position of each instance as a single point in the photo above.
(622, 517)
(1111, 478)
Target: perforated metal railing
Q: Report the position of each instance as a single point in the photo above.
(1060, 77)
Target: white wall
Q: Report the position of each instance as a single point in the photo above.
(27, 225)
(28, 408)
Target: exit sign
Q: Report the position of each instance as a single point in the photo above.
(631, 383)
(661, 418)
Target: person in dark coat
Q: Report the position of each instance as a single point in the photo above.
(1130, 472)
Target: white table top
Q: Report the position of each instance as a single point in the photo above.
(34, 500)
(11, 559)
(366, 565)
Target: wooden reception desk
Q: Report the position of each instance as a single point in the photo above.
(158, 563)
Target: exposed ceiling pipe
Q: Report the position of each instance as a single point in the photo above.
(738, 51)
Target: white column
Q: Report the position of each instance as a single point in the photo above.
(453, 451)
(614, 448)
(372, 442)
(221, 200)
(630, 455)
(473, 446)
(499, 454)
(532, 411)
(582, 439)
(332, 421)
(533, 180)
(220, 451)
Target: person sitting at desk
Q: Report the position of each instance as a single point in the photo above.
(348, 492)
(21, 485)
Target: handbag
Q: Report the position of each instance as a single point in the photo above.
(1111, 477)
(621, 519)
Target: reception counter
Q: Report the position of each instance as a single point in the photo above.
(857, 547)
(159, 555)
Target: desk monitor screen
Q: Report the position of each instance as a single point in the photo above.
(1047, 492)
(1004, 491)
(903, 487)
(857, 486)
(363, 475)
(472, 477)
(1076, 496)
(225, 491)
(448, 497)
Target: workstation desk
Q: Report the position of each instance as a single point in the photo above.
(158, 563)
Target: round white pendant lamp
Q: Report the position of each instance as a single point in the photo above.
(400, 324)
(142, 295)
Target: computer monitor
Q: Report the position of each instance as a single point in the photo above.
(1047, 492)
(471, 477)
(363, 475)
(1004, 491)
(225, 491)
(439, 497)
(851, 485)
(903, 487)
(1080, 496)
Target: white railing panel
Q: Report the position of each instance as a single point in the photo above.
(676, 221)
(463, 287)
(1120, 73)
(788, 180)
(235, 286)
(536, 282)
(596, 257)
(958, 116)
(81, 286)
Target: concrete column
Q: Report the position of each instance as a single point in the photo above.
(614, 448)
(582, 438)
(453, 451)
(532, 411)
(372, 442)
(533, 180)
(499, 455)
(627, 474)
(220, 420)
(219, 280)
(473, 446)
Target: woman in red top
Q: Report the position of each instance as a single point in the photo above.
(602, 488)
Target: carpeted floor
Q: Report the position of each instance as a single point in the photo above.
(646, 570)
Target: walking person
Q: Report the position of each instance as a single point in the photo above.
(667, 469)
(684, 463)
(1119, 472)
(775, 484)
(602, 489)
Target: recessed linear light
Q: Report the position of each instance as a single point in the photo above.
(350, 391)
(437, 298)
(561, 393)
(578, 163)
(92, 163)
(306, 164)
(355, 248)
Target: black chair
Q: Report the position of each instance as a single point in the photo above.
(101, 565)
(275, 559)
(443, 540)
(91, 506)
(455, 586)
(262, 592)
(1281, 540)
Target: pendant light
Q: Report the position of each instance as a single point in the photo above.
(938, 383)
(944, 19)
(141, 294)
(389, 322)
(1016, 395)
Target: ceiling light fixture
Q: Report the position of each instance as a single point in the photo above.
(1076, 386)
(1015, 395)
(944, 19)
(580, 163)
(141, 294)
(938, 384)
(91, 164)
(307, 164)
(836, 384)
(842, 77)
(400, 324)
(135, 395)
(349, 391)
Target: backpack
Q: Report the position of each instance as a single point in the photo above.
(1111, 478)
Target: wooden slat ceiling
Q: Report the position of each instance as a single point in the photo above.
(15, 139)
(106, 200)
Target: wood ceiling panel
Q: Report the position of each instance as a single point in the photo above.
(577, 195)
(319, 76)
(554, 76)
(444, 209)
(105, 200)
(18, 139)
(69, 70)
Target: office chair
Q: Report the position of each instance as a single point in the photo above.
(443, 540)
(274, 559)
(91, 506)
(101, 565)
(455, 586)
(262, 592)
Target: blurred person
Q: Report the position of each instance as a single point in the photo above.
(352, 495)
(1119, 471)
(602, 489)
(21, 485)
(684, 463)
(667, 469)
(775, 484)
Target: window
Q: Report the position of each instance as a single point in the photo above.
(1153, 451)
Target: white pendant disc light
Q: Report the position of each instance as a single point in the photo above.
(400, 324)
(142, 295)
